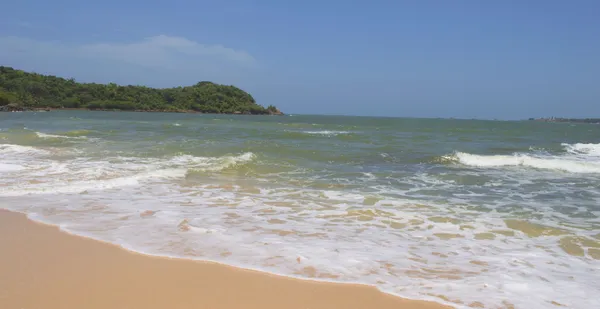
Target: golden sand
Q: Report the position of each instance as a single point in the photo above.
(43, 268)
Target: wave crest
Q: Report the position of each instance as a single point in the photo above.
(29, 170)
(326, 132)
(11, 149)
(203, 165)
(582, 149)
(579, 158)
(55, 136)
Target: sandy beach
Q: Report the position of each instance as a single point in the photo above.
(42, 267)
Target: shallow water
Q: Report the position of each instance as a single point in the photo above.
(465, 212)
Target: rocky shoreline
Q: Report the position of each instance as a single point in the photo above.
(18, 108)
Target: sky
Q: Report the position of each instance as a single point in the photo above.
(506, 59)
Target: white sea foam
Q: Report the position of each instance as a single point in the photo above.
(11, 150)
(327, 132)
(83, 174)
(213, 164)
(10, 167)
(556, 163)
(580, 158)
(325, 238)
(47, 135)
(69, 136)
(403, 240)
(583, 149)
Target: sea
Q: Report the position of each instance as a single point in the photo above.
(471, 213)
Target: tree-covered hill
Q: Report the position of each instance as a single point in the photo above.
(19, 89)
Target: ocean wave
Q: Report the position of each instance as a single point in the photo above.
(55, 136)
(298, 206)
(11, 149)
(579, 158)
(171, 125)
(26, 170)
(330, 235)
(326, 132)
(220, 163)
(62, 185)
(308, 134)
(583, 149)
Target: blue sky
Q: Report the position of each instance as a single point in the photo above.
(463, 58)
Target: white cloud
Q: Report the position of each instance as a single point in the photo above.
(172, 60)
(166, 51)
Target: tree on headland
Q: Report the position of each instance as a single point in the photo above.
(7, 98)
(32, 90)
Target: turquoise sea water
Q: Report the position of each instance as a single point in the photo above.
(465, 212)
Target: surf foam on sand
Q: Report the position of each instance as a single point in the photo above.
(512, 247)
(98, 275)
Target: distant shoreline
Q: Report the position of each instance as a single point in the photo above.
(22, 91)
(48, 109)
(568, 120)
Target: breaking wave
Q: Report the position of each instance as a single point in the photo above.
(44, 175)
(577, 158)
(221, 163)
(583, 149)
(355, 203)
(326, 132)
(53, 136)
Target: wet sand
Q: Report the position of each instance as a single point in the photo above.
(42, 267)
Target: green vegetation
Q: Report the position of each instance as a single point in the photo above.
(23, 90)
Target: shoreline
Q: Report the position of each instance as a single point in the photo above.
(20, 92)
(567, 120)
(52, 109)
(62, 261)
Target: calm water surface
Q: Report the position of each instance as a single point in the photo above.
(466, 212)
